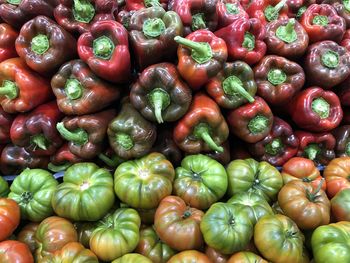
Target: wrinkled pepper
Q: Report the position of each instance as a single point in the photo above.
(229, 11)
(7, 42)
(105, 48)
(267, 10)
(278, 79)
(86, 134)
(342, 7)
(5, 126)
(130, 135)
(233, 86)
(315, 109)
(251, 122)
(160, 95)
(36, 130)
(131, 5)
(201, 56)
(79, 91)
(327, 64)
(152, 31)
(21, 88)
(342, 137)
(203, 128)
(346, 40)
(44, 45)
(322, 22)
(62, 159)
(245, 40)
(279, 146)
(318, 147)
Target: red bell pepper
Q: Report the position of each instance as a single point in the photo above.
(134, 5)
(267, 10)
(229, 11)
(344, 92)
(317, 110)
(22, 89)
(105, 48)
(342, 137)
(201, 56)
(342, 7)
(63, 159)
(296, 8)
(5, 126)
(346, 40)
(245, 40)
(7, 42)
(124, 17)
(36, 130)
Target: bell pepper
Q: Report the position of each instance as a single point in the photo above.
(196, 15)
(223, 157)
(346, 40)
(44, 45)
(131, 5)
(327, 64)
(342, 7)
(233, 86)
(105, 48)
(245, 40)
(79, 91)
(267, 10)
(152, 31)
(109, 159)
(21, 88)
(160, 94)
(130, 135)
(286, 38)
(203, 128)
(342, 137)
(5, 126)
(86, 134)
(315, 109)
(278, 79)
(62, 159)
(251, 122)
(17, 12)
(322, 22)
(77, 16)
(343, 92)
(318, 147)
(239, 149)
(124, 17)
(15, 159)
(201, 56)
(296, 8)
(229, 11)
(279, 146)
(7, 42)
(36, 130)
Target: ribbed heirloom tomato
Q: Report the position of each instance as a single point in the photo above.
(9, 217)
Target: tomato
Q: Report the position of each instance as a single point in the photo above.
(12, 251)
(132, 258)
(340, 205)
(246, 257)
(178, 225)
(215, 256)
(337, 174)
(27, 234)
(147, 215)
(84, 231)
(4, 187)
(151, 246)
(33, 190)
(86, 193)
(190, 256)
(144, 182)
(117, 235)
(9, 217)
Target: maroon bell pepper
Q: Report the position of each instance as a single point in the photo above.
(229, 11)
(124, 17)
(7, 42)
(342, 137)
(267, 10)
(134, 5)
(63, 159)
(346, 40)
(296, 8)
(343, 92)
(342, 7)
(346, 115)
(5, 126)
(223, 157)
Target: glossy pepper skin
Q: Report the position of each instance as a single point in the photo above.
(245, 40)
(79, 91)
(8, 37)
(342, 137)
(278, 79)
(36, 130)
(62, 159)
(296, 8)
(86, 134)
(322, 22)
(267, 10)
(279, 146)
(286, 38)
(229, 11)
(77, 16)
(203, 128)
(201, 56)
(342, 8)
(5, 126)
(105, 48)
(152, 31)
(44, 45)
(251, 122)
(317, 110)
(22, 89)
(130, 135)
(233, 86)
(131, 5)
(327, 64)
(160, 94)
(318, 147)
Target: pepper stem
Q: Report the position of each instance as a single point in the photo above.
(276, 76)
(272, 12)
(124, 140)
(103, 47)
(111, 162)
(39, 140)
(311, 151)
(40, 44)
(153, 27)
(312, 195)
(330, 59)
(233, 86)
(346, 4)
(347, 149)
(14, 2)
(160, 100)
(258, 124)
(58, 168)
(9, 89)
(198, 22)
(232, 9)
(201, 52)
(150, 3)
(78, 136)
(300, 12)
(202, 131)
(274, 147)
(321, 107)
(287, 33)
(73, 89)
(320, 20)
(83, 11)
(248, 41)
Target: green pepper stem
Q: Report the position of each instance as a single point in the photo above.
(39, 140)
(14, 2)
(40, 44)
(103, 47)
(330, 59)
(111, 162)
(287, 33)
(150, 3)
(58, 168)
(73, 89)
(78, 136)
(320, 20)
(9, 89)
(300, 12)
(312, 195)
(232, 8)
(272, 12)
(258, 124)
(160, 100)
(321, 107)
(202, 131)
(232, 85)
(311, 151)
(201, 51)
(153, 27)
(248, 41)
(198, 22)
(83, 11)
(274, 147)
(276, 76)
(346, 4)
(124, 140)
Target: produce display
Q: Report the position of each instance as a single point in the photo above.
(175, 131)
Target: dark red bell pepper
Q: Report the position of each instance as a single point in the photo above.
(251, 122)
(322, 22)
(346, 40)
(124, 17)
(63, 159)
(245, 40)
(279, 146)
(5, 126)
(21, 88)
(7, 42)
(223, 157)
(343, 92)
(318, 147)
(342, 137)
(296, 8)
(267, 10)
(105, 48)
(229, 11)
(342, 7)
(36, 130)
(346, 115)
(316, 110)
(132, 5)
(201, 56)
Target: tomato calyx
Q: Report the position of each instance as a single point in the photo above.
(291, 234)
(26, 197)
(306, 180)
(196, 176)
(313, 195)
(187, 214)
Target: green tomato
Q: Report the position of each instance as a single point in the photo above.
(132, 257)
(4, 187)
(33, 190)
